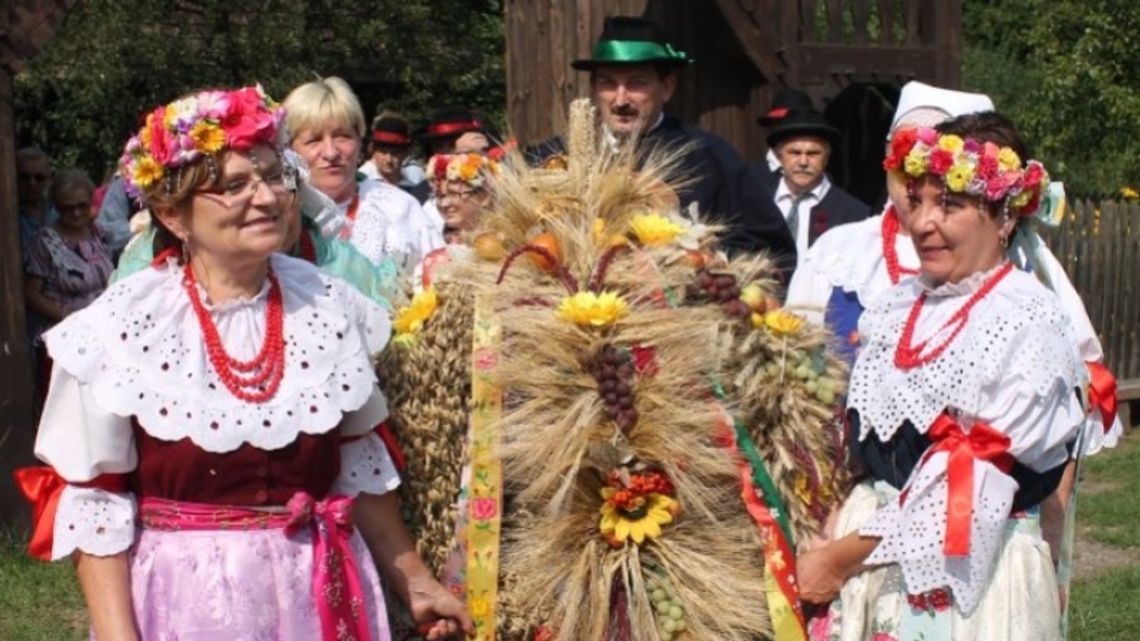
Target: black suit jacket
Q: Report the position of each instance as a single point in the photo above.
(725, 190)
(837, 207)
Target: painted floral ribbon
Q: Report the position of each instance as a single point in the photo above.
(981, 443)
(485, 517)
(337, 585)
(43, 487)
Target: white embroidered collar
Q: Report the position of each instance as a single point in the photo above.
(851, 257)
(140, 347)
(1018, 327)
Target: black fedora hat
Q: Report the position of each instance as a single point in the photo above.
(785, 100)
(391, 132)
(630, 40)
(452, 122)
(802, 122)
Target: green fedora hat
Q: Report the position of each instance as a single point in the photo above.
(630, 40)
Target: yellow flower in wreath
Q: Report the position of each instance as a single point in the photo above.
(640, 519)
(410, 319)
(654, 230)
(588, 309)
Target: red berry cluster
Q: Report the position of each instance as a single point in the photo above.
(718, 288)
(613, 369)
(629, 497)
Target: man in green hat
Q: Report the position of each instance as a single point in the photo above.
(632, 77)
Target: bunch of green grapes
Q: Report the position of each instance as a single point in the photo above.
(670, 614)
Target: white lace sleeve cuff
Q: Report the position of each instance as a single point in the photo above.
(365, 467)
(94, 521)
(913, 531)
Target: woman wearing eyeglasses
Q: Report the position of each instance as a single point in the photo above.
(210, 422)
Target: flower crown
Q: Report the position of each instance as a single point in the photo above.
(469, 168)
(203, 124)
(968, 166)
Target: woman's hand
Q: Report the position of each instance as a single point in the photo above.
(443, 616)
(819, 577)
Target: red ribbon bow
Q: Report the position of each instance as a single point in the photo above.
(981, 443)
(42, 487)
(1102, 393)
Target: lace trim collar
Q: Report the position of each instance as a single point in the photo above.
(1019, 329)
(965, 287)
(140, 348)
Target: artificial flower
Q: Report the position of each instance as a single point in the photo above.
(208, 137)
(146, 171)
(940, 161)
(639, 524)
(951, 143)
(915, 164)
(411, 319)
(1007, 159)
(782, 322)
(654, 230)
(958, 177)
(588, 309)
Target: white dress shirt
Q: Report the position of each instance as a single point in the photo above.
(784, 200)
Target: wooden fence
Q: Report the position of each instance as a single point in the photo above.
(1099, 245)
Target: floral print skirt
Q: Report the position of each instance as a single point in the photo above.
(1020, 603)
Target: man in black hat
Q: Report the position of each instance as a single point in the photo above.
(632, 77)
(810, 204)
(457, 130)
(388, 150)
(786, 99)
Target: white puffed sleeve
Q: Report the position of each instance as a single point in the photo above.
(81, 442)
(1041, 414)
(365, 463)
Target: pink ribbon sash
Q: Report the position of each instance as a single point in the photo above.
(337, 585)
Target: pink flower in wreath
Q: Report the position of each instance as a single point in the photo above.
(484, 508)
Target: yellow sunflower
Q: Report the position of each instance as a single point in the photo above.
(593, 310)
(208, 138)
(781, 322)
(410, 319)
(653, 230)
(146, 172)
(618, 526)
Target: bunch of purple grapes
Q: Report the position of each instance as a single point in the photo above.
(613, 369)
(719, 288)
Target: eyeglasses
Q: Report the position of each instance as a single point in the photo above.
(238, 191)
(458, 196)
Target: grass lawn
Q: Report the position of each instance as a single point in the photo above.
(41, 602)
(1106, 606)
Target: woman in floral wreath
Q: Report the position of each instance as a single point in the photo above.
(210, 424)
(963, 407)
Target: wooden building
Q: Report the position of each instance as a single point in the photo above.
(852, 56)
(25, 26)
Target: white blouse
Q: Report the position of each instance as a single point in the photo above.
(1014, 366)
(138, 352)
(390, 222)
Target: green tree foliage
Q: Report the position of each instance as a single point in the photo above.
(1065, 71)
(114, 59)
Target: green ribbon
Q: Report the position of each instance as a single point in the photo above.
(760, 477)
(636, 51)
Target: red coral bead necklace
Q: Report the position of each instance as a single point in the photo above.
(908, 355)
(890, 232)
(350, 216)
(255, 380)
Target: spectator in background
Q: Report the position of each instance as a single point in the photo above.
(381, 220)
(786, 99)
(389, 150)
(33, 175)
(809, 202)
(115, 216)
(454, 130)
(67, 264)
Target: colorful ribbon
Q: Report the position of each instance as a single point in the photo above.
(445, 128)
(981, 443)
(391, 138)
(1102, 393)
(43, 487)
(486, 496)
(337, 585)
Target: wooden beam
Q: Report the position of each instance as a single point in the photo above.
(17, 430)
(757, 39)
(818, 63)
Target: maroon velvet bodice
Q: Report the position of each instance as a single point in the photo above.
(182, 471)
